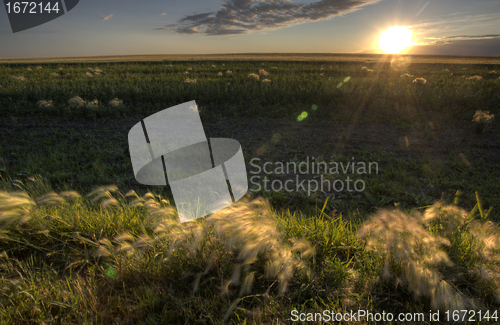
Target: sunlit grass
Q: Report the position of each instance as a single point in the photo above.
(426, 253)
(117, 255)
(110, 257)
(150, 233)
(293, 84)
(482, 119)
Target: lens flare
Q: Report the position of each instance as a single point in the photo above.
(395, 39)
(401, 63)
(110, 271)
(302, 116)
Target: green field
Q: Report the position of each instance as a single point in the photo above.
(422, 234)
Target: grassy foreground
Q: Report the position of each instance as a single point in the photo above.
(114, 258)
(422, 235)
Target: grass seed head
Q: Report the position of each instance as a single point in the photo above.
(263, 72)
(93, 104)
(476, 77)
(115, 102)
(76, 102)
(482, 119)
(420, 81)
(481, 116)
(44, 103)
(446, 218)
(14, 207)
(403, 240)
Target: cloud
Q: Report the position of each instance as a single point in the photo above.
(467, 37)
(163, 14)
(106, 17)
(245, 16)
(459, 46)
(452, 45)
(450, 39)
(456, 24)
(451, 33)
(481, 47)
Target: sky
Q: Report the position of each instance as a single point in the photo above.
(125, 27)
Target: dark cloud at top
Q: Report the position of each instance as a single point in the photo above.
(244, 16)
(196, 17)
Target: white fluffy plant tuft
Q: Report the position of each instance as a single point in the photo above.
(408, 246)
(76, 102)
(115, 102)
(44, 103)
(263, 72)
(93, 104)
(420, 81)
(244, 235)
(419, 248)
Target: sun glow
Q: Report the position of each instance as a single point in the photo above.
(395, 39)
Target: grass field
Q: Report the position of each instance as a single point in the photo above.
(422, 234)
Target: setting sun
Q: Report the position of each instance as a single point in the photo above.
(395, 39)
